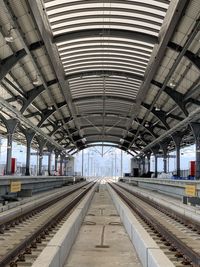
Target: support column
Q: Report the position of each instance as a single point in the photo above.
(164, 146)
(65, 167)
(41, 143)
(9, 154)
(177, 137)
(50, 150)
(56, 160)
(148, 162)
(61, 165)
(40, 162)
(139, 166)
(10, 125)
(143, 165)
(82, 162)
(49, 162)
(155, 151)
(196, 132)
(29, 137)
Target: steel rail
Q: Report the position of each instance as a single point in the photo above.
(15, 219)
(177, 244)
(25, 245)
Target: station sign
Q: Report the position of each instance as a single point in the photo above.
(191, 190)
(15, 186)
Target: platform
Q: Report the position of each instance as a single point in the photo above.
(102, 240)
(175, 188)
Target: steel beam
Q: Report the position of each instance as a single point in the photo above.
(195, 59)
(172, 18)
(147, 38)
(37, 10)
(8, 63)
(106, 73)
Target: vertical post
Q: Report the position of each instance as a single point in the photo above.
(10, 125)
(121, 163)
(29, 137)
(49, 162)
(88, 163)
(61, 165)
(164, 146)
(148, 162)
(9, 153)
(56, 161)
(143, 165)
(156, 166)
(155, 151)
(177, 140)
(82, 162)
(115, 165)
(65, 167)
(196, 132)
(40, 162)
(41, 144)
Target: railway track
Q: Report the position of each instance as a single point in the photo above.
(24, 236)
(177, 235)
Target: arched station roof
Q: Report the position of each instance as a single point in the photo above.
(124, 72)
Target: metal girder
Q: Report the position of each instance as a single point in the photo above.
(33, 114)
(195, 59)
(100, 97)
(105, 73)
(16, 114)
(177, 97)
(6, 64)
(173, 15)
(37, 11)
(182, 124)
(160, 114)
(31, 96)
(147, 38)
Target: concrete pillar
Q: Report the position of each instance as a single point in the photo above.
(56, 161)
(156, 166)
(143, 165)
(41, 143)
(164, 146)
(61, 165)
(29, 137)
(10, 125)
(49, 162)
(9, 154)
(196, 132)
(65, 166)
(40, 162)
(155, 151)
(148, 162)
(177, 137)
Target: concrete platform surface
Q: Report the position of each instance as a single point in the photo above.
(102, 240)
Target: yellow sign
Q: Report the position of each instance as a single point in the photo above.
(15, 187)
(190, 190)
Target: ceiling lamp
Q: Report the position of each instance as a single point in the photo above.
(9, 38)
(172, 83)
(146, 124)
(35, 81)
(157, 108)
(59, 123)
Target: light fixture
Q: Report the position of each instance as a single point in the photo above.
(59, 123)
(9, 38)
(146, 124)
(35, 81)
(172, 83)
(50, 108)
(157, 108)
